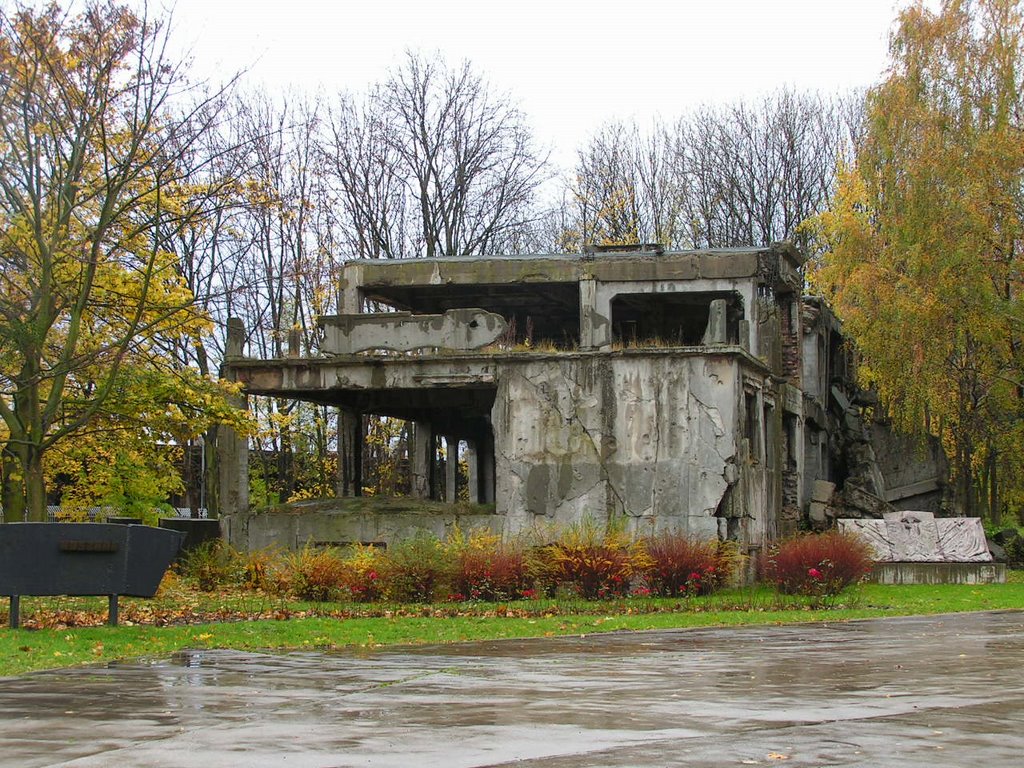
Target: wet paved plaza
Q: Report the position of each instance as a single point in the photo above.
(937, 691)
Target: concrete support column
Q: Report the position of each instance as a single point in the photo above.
(716, 331)
(595, 316)
(749, 339)
(349, 301)
(473, 464)
(588, 288)
(350, 453)
(485, 454)
(451, 469)
(422, 459)
(232, 449)
(294, 343)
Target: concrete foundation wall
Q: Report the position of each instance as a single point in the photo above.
(652, 436)
(939, 573)
(337, 522)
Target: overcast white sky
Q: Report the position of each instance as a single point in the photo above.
(569, 65)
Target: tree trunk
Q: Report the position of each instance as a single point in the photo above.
(35, 486)
(210, 496)
(12, 491)
(995, 513)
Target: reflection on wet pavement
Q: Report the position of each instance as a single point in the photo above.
(932, 691)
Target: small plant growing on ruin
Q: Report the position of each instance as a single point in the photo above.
(819, 565)
(683, 566)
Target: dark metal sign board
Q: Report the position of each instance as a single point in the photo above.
(83, 559)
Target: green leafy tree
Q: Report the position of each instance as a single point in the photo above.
(93, 135)
(920, 247)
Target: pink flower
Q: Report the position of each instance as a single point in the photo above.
(814, 573)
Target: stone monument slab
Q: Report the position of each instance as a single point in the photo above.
(920, 537)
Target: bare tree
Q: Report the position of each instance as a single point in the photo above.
(752, 173)
(606, 188)
(433, 164)
(748, 174)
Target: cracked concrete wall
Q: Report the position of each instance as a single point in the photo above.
(459, 329)
(654, 437)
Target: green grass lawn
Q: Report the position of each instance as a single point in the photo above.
(258, 622)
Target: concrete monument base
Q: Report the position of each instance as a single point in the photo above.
(939, 573)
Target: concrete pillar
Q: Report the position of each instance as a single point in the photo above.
(422, 459)
(745, 335)
(595, 316)
(716, 331)
(232, 449)
(451, 469)
(485, 452)
(349, 301)
(473, 464)
(588, 295)
(749, 338)
(350, 453)
(294, 342)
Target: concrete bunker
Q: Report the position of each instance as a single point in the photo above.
(685, 390)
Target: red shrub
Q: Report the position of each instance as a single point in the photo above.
(593, 561)
(316, 574)
(362, 574)
(682, 566)
(493, 573)
(819, 564)
(414, 569)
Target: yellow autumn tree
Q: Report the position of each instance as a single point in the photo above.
(93, 129)
(920, 247)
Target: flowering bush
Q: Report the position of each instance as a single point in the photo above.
(820, 565)
(593, 561)
(211, 565)
(414, 569)
(316, 574)
(361, 577)
(489, 569)
(682, 566)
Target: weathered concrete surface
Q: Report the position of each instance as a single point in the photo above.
(939, 573)
(388, 280)
(939, 691)
(359, 520)
(651, 436)
(920, 537)
(460, 329)
(656, 434)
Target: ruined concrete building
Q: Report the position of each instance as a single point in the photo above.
(696, 390)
